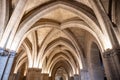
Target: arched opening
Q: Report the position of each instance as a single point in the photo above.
(61, 74)
(20, 75)
(96, 67)
(56, 38)
(61, 71)
(37, 15)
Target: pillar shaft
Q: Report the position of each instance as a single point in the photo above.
(50, 78)
(24, 78)
(13, 77)
(3, 61)
(84, 75)
(112, 64)
(76, 77)
(45, 76)
(71, 78)
(34, 74)
(6, 60)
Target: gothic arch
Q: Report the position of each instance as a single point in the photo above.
(96, 69)
(29, 21)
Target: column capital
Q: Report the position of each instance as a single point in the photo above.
(76, 76)
(83, 70)
(12, 53)
(111, 62)
(34, 69)
(111, 52)
(34, 74)
(4, 52)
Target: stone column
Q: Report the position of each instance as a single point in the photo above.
(112, 64)
(34, 74)
(3, 61)
(76, 77)
(24, 78)
(71, 78)
(6, 62)
(8, 66)
(13, 77)
(50, 78)
(44, 76)
(84, 75)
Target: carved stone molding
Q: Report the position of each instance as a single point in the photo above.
(4, 52)
(111, 52)
(12, 53)
(34, 69)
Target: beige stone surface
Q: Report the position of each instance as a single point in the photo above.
(73, 39)
(60, 15)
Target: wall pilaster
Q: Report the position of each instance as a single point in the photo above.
(112, 64)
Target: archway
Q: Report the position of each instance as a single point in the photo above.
(96, 67)
(49, 38)
(61, 71)
(61, 74)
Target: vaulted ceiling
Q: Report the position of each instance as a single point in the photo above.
(45, 46)
(34, 3)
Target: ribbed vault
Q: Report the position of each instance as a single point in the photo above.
(56, 35)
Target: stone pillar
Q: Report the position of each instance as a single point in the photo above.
(24, 78)
(3, 61)
(44, 76)
(71, 78)
(84, 75)
(34, 74)
(9, 65)
(112, 64)
(13, 77)
(6, 60)
(17, 76)
(50, 78)
(76, 77)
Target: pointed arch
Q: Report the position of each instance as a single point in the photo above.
(37, 15)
